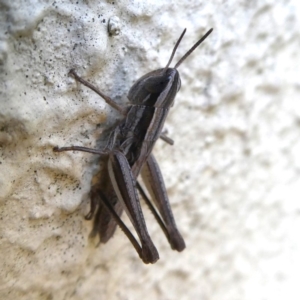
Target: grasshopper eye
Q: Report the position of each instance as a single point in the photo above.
(178, 85)
(156, 85)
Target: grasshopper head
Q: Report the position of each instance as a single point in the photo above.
(159, 88)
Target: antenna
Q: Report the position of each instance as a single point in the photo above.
(174, 50)
(192, 49)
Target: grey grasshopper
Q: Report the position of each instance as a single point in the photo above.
(128, 153)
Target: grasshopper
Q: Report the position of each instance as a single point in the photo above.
(128, 153)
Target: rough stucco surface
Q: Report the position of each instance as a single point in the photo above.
(232, 176)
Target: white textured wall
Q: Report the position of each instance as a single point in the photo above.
(233, 175)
